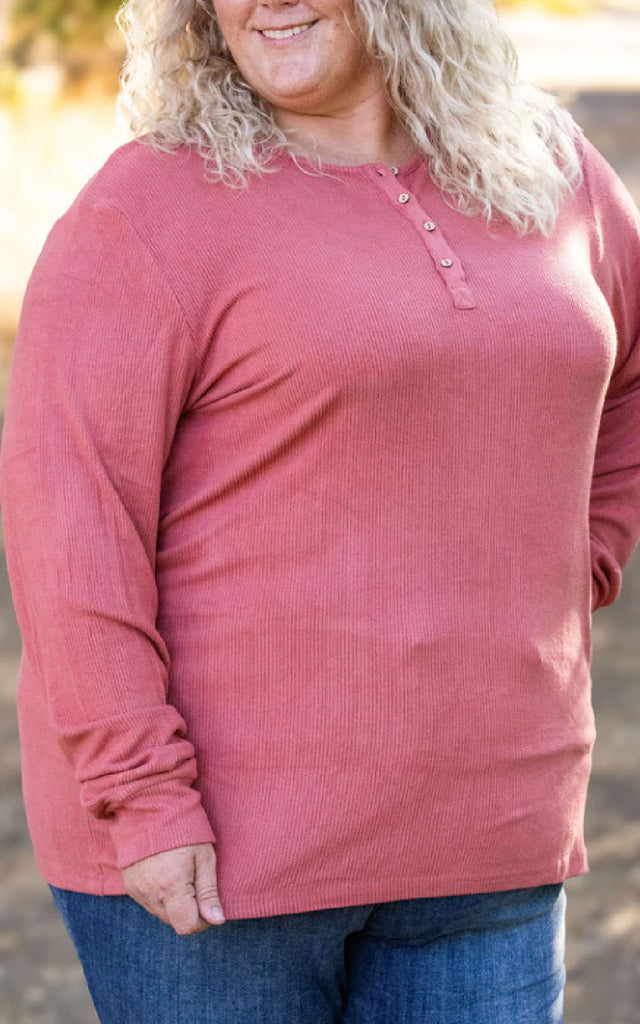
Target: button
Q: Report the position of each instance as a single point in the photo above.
(404, 197)
(394, 170)
(429, 225)
(447, 263)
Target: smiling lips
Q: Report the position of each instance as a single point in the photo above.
(289, 33)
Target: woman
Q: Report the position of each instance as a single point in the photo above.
(322, 445)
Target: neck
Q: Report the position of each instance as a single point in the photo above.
(368, 133)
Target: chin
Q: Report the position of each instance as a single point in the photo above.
(294, 91)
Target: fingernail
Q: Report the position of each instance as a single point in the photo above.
(217, 914)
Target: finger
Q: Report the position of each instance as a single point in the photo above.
(153, 900)
(152, 906)
(182, 912)
(178, 896)
(158, 910)
(206, 885)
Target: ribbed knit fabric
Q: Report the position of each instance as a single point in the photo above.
(305, 527)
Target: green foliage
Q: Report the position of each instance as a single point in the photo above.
(66, 20)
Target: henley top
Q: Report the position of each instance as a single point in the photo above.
(309, 492)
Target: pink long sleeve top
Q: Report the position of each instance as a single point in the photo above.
(309, 492)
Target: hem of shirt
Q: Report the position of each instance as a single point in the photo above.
(324, 894)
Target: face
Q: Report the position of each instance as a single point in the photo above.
(323, 70)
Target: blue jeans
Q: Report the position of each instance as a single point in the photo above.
(485, 958)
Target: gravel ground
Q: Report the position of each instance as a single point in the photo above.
(41, 981)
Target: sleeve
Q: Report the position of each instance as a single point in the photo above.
(102, 366)
(614, 510)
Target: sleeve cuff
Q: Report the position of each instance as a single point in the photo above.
(152, 827)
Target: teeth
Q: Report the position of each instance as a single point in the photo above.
(285, 33)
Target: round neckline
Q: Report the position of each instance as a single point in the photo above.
(309, 163)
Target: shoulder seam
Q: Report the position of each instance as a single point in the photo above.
(153, 257)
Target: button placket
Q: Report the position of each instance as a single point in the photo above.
(448, 264)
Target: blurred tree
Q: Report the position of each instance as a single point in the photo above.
(59, 30)
(67, 20)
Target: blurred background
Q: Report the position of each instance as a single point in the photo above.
(59, 62)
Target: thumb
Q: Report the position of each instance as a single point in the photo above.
(206, 885)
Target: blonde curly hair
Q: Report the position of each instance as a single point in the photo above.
(500, 147)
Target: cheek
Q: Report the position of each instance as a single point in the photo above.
(346, 37)
(339, 10)
(232, 15)
(346, 51)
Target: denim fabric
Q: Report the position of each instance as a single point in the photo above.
(485, 958)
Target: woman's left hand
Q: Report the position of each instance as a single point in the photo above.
(178, 886)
